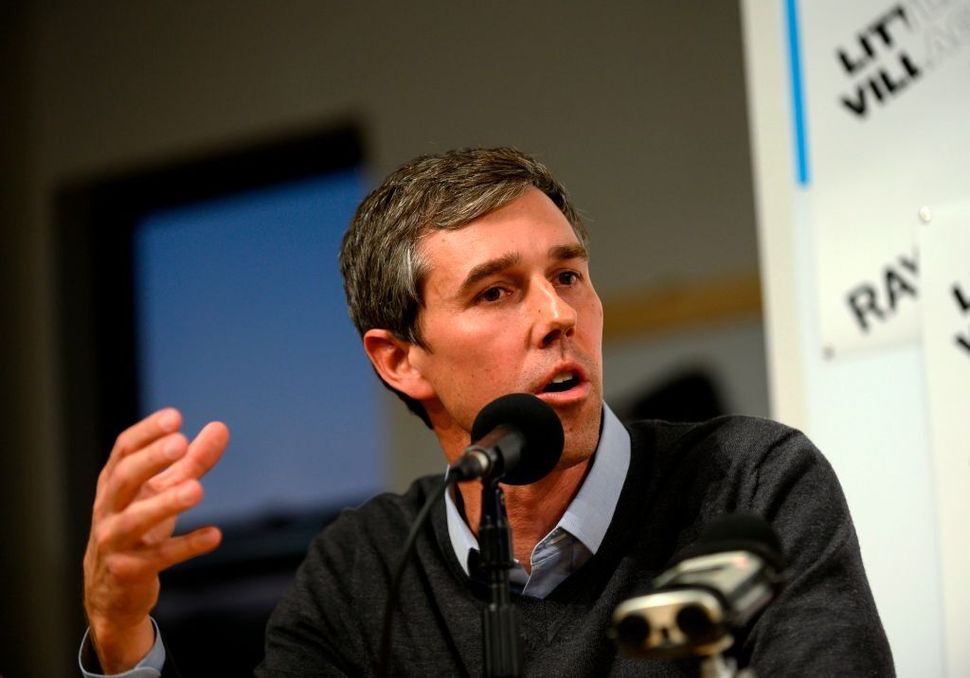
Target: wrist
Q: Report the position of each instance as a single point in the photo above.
(120, 648)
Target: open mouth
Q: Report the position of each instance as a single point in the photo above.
(562, 382)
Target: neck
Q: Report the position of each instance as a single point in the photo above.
(533, 510)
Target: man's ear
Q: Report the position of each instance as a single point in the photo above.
(391, 357)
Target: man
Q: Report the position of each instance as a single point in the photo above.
(467, 275)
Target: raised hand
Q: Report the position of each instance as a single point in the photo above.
(150, 478)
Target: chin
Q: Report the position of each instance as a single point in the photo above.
(578, 449)
(582, 436)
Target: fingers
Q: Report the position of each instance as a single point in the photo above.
(146, 490)
(178, 549)
(145, 484)
(126, 530)
(203, 453)
(147, 562)
(146, 431)
(134, 470)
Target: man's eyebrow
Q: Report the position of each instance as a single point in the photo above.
(492, 266)
(572, 251)
(487, 268)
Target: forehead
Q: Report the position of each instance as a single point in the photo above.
(529, 226)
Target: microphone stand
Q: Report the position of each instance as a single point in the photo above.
(500, 621)
(716, 665)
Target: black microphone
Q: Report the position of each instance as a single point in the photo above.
(719, 583)
(517, 438)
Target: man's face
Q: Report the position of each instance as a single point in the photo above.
(509, 307)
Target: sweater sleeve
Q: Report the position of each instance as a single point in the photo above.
(313, 630)
(825, 621)
(329, 622)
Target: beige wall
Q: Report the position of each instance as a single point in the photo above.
(639, 109)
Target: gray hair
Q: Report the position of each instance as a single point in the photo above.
(380, 257)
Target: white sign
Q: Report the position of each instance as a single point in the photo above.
(944, 242)
(884, 129)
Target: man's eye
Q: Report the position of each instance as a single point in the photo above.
(491, 294)
(567, 278)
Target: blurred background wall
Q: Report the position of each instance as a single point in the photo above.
(639, 109)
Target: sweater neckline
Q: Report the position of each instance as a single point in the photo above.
(630, 508)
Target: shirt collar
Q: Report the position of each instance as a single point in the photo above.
(589, 514)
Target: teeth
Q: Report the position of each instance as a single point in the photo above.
(561, 382)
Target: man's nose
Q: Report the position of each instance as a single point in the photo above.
(554, 317)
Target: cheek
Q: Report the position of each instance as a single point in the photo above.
(591, 323)
(466, 370)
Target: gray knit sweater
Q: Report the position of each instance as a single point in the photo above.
(681, 477)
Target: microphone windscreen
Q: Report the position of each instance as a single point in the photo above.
(539, 425)
(738, 532)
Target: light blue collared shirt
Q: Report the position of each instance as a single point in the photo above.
(149, 667)
(581, 529)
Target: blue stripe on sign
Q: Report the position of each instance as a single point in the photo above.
(797, 96)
